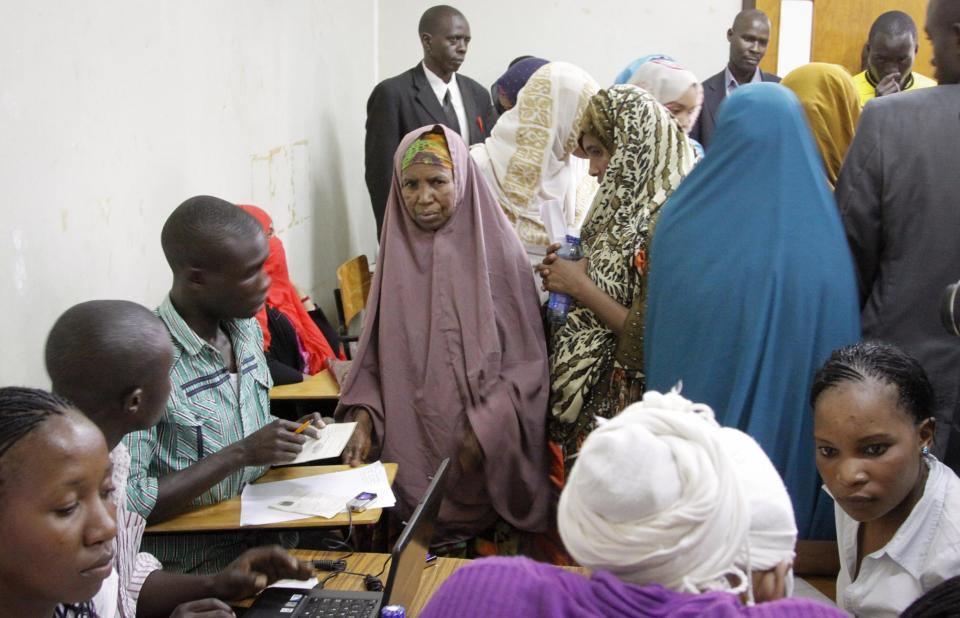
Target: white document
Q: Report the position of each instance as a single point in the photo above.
(257, 499)
(329, 442)
(312, 504)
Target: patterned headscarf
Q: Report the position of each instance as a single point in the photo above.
(429, 149)
(650, 156)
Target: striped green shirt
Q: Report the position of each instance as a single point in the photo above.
(203, 415)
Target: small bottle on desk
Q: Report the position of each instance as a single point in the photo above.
(393, 611)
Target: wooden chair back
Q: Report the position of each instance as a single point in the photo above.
(353, 280)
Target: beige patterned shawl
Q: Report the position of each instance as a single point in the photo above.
(527, 159)
(650, 157)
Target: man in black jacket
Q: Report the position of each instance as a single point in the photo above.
(430, 93)
(748, 38)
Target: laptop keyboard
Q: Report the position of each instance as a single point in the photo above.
(315, 607)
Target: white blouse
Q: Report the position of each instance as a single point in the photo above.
(924, 552)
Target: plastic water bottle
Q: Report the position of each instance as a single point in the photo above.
(393, 611)
(559, 304)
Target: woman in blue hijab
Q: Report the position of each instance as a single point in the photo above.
(752, 286)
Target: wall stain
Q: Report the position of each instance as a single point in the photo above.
(280, 162)
(64, 214)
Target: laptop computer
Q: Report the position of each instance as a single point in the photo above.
(407, 561)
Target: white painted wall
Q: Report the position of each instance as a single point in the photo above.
(114, 111)
(601, 36)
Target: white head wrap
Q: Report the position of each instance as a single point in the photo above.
(654, 498)
(773, 528)
(666, 80)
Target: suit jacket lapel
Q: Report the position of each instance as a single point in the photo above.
(425, 95)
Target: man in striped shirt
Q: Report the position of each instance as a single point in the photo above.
(111, 358)
(216, 433)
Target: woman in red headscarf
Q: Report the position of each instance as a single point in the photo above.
(293, 342)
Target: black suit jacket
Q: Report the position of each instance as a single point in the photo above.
(402, 104)
(714, 92)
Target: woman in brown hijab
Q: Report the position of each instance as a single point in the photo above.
(452, 360)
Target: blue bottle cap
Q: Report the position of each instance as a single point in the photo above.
(393, 611)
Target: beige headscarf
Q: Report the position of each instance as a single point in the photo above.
(666, 80)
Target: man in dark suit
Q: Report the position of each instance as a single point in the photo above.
(898, 192)
(430, 93)
(748, 38)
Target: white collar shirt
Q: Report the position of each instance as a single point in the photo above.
(924, 552)
(440, 89)
(731, 82)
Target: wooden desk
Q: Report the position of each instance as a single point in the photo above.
(433, 576)
(320, 386)
(226, 514)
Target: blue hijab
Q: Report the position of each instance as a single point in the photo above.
(752, 286)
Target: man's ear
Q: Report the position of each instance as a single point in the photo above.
(132, 401)
(195, 276)
(729, 35)
(425, 39)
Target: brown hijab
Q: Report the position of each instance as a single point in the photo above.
(453, 338)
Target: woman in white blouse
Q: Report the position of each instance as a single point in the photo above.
(897, 507)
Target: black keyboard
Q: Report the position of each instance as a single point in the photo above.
(314, 607)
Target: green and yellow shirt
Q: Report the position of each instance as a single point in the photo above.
(209, 408)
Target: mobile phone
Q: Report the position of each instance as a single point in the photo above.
(360, 502)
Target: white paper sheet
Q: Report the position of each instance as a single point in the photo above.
(256, 499)
(313, 504)
(329, 443)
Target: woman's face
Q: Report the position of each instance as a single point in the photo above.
(597, 153)
(686, 109)
(429, 195)
(56, 513)
(868, 448)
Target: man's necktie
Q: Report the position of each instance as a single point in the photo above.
(450, 113)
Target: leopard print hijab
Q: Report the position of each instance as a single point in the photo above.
(650, 156)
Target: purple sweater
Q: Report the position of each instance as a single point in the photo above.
(506, 587)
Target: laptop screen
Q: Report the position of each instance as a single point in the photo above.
(410, 552)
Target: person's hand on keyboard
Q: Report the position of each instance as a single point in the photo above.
(256, 569)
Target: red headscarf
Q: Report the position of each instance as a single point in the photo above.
(284, 298)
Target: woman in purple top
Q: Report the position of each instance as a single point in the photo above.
(506, 587)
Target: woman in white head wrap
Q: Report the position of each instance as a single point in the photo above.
(662, 494)
(528, 158)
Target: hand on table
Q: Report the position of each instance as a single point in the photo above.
(889, 85)
(204, 608)
(256, 569)
(771, 585)
(564, 276)
(358, 448)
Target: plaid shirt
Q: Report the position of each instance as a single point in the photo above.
(203, 415)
